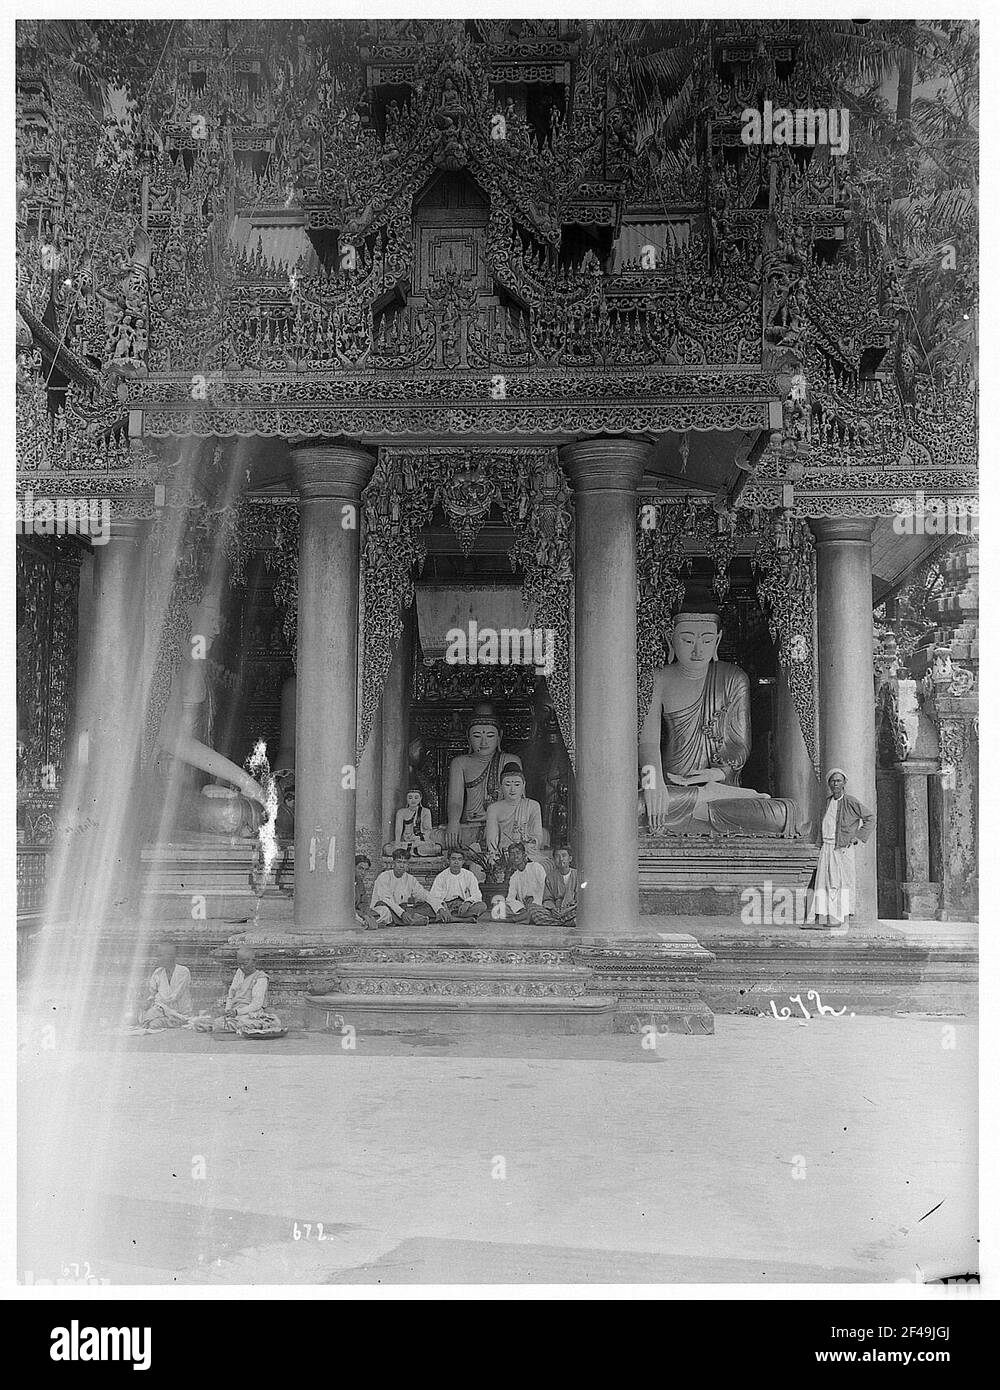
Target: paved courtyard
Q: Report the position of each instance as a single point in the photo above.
(774, 1152)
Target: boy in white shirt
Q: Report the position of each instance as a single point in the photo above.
(456, 893)
(526, 890)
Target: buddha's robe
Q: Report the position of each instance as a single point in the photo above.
(523, 826)
(415, 833)
(482, 790)
(714, 732)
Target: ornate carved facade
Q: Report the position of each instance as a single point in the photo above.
(463, 245)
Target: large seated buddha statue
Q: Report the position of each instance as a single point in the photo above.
(696, 738)
(474, 780)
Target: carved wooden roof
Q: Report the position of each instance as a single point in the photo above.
(244, 248)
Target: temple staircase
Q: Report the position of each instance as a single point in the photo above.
(462, 987)
(206, 877)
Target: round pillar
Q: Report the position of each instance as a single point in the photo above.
(605, 474)
(101, 871)
(846, 683)
(329, 479)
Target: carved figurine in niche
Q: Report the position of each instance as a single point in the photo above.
(691, 781)
(474, 779)
(412, 830)
(232, 803)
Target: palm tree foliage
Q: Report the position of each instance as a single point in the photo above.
(911, 87)
(915, 149)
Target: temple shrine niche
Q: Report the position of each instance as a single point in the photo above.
(402, 328)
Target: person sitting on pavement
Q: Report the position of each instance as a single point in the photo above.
(244, 1004)
(167, 1003)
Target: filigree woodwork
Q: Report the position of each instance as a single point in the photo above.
(531, 494)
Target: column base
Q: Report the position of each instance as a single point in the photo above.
(921, 901)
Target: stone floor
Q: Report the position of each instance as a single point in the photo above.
(841, 1150)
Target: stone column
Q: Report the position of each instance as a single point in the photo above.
(920, 895)
(605, 474)
(396, 728)
(846, 681)
(100, 874)
(329, 478)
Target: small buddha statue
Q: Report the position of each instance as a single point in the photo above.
(412, 830)
(691, 779)
(474, 779)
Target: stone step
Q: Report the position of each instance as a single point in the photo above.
(680, 874)
(210, 849)
(360, 977)
(535, 958)
(237, 907)
(482, 1013)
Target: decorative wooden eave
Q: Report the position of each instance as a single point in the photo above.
(56, 351)
(549, 404)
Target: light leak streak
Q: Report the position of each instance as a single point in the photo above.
(267, 841)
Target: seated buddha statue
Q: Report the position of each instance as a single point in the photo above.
(690, 777)
(474, 780)
(412, 827)
(515, 819)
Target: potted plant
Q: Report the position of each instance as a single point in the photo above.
(496, 866)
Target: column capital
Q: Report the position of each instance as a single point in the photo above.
(323, 468)
(917, 767)
(842, 528)
(607, 464)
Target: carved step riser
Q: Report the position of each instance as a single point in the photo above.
(458, 1014)
(529, 989)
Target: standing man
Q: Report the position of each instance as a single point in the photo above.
(846, 823)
